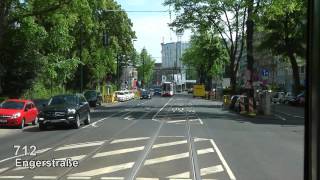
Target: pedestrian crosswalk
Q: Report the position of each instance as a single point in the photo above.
(108, 170)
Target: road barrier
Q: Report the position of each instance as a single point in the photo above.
(251, 108)
(242, 106)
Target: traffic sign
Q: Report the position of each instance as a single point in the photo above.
(265, 72)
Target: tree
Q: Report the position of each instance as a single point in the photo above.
(207, 55)
(40, 42)
(226, 17)
(145, 67)
(283, 24)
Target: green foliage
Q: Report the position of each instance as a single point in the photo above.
(40, 41)
(145, 65)
(206, 54)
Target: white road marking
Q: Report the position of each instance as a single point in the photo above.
(204, 151)
(11, 177)
(120, 151)
(173, 157)
(290, 114)
(112, 178)
(183, 175)
(74, 158)
(174, 143)
(79, 177)
(225, 164)
(44, 177)
(129, 118)
(153, 118)
(211, 170)
(105, 170)
(169, 144)
(13, 157)
(128, 140)
(147, 178)
(80, 145)
(177, 121)
(280, 117)
(3, 169)
(42, 150)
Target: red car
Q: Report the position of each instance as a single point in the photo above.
(16, 112)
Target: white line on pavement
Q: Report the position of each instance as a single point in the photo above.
(120, 151)
(128, 140)
(105, 170)
(211, 170)
(112, 178)
(290, 115)
(11, 177)
(3, 169)
(79, 177)
(44, 177)
(74, 158)
(183, 175)
(173, 157)
(280, 117)
(225, 164)
(80, 145)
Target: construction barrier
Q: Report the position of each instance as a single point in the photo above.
(242, 106)
(251, 108)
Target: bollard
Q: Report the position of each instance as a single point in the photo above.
(251, 108)
(242, 106)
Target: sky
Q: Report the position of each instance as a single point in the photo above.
(151, 27)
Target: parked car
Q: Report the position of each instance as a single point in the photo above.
(93, 97)
(157, 91)
(17, 113)
(237, 106)
(299, 100)
(278, 97)
(70, 109)
(145, 94)
(120, 96)
(40, 103)
(132, 94)
(287, 97)
(233, 101)
(127, 95)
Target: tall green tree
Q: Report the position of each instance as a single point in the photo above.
(207, 55)
(283, 24)
(145, 66)
(40, 43)
(226, 17)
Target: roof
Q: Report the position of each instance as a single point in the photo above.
(19, 100)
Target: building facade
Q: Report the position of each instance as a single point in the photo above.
(172, 67)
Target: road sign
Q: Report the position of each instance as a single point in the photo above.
(265, 72)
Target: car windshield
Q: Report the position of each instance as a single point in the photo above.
(60, 100)
(12, 105)
(90, 94)
(40, 102)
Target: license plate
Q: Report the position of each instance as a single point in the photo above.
(3, 121)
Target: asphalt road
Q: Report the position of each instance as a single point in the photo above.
(162, 138)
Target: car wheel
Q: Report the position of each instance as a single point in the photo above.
(35, 121)
(87, 121)
(42, 127)
(21, 126)
(77, 123)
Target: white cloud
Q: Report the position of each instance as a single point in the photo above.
(151, 31)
